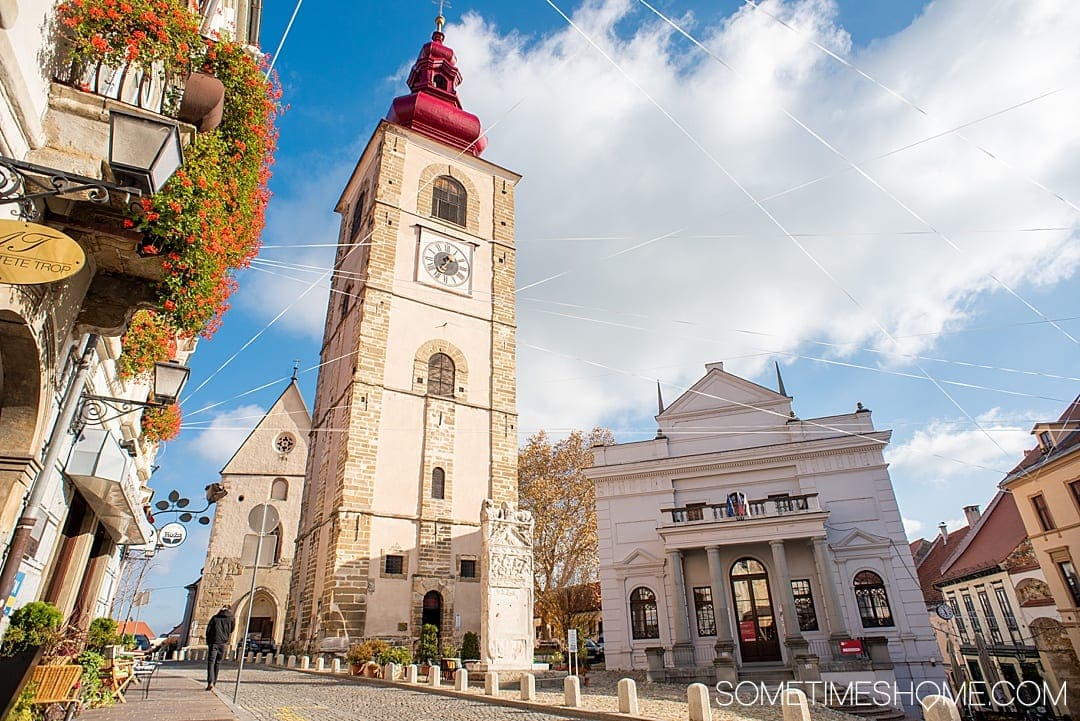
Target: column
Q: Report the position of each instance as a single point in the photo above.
(677, 592)
(837, 625)
(724, 663)
(787, 599)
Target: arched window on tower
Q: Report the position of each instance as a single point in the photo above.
(438, 483)
(449, 200)
(440, 376)
(279, 491)
(440, 81)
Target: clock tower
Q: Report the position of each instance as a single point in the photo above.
(415, 421)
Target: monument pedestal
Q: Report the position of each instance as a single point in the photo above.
(506, 588)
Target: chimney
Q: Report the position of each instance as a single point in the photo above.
(944, 532)
(972, 513)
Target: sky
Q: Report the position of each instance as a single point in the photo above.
(881, 196)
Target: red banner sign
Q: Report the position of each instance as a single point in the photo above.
(747, 630)
(851, 647)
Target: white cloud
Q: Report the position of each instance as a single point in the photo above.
(600, 160)
(953, 452)
(225, 433)
(912, 527)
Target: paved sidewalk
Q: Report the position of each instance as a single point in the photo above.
(175, 695)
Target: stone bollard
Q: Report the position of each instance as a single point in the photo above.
(572, 692)
(461, 680)
(390, 672)
(280, 660)
(528, 687)
(939, 708)
(697, 694)
(305, 662)
(320, 663)
(434, 676)
(628, 697)
(412, 672)
(491, 683)
(335, 665)
(291, 662)
(181, 654)
(794, 705)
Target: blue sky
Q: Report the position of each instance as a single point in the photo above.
(654, 145)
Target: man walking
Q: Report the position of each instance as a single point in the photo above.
(218, 632)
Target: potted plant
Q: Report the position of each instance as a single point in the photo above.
(32, 628)
(360, 655)
(427, 649)
(470, 649)
(395, 654)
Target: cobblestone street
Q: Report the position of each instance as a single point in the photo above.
(272, 694)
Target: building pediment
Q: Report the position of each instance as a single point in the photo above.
(720, 393)
(859, 540)
(639, 558)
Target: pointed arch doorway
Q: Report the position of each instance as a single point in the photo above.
(759, 639)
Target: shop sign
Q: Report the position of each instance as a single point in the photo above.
(31, 254)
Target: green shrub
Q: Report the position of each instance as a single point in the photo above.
(23, 709)
(35, 624)
(366, 651)
(395, 654)
(94, 694)
(470, 647)
(427, 649)
(102, 633)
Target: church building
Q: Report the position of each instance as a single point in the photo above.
(746, 543)
(266, 470)
(415, 421)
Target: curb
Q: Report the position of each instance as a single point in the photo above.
(491, 700)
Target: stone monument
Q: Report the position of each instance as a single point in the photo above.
(506, 587)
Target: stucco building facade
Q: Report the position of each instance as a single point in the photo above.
(418, 426)
(268, 468)
(744, 542)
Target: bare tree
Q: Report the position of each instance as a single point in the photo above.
(552, 484)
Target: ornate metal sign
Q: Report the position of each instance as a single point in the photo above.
(172, 535)
(32, 254)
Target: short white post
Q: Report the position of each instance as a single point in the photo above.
(335, 665)
(461, 680)
(280, 660)
(491, 683)
(628, 696)
(697, 694)
(305, 662)
(181, 654)
(572, 692)
(411, 673)
(320, 663)
(528, 687)
(434, 675)
(290, 662)
(794, 705)
(939, 708)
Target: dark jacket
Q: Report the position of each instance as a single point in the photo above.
(220, 628)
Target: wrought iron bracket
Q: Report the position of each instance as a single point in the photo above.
(25, 184)
(99, 410)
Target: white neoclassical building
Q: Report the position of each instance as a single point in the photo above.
(744, 542)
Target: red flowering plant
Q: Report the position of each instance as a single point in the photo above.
(161, 424)
(141, 33)
(206, 222)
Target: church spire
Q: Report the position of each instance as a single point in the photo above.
(433, 107)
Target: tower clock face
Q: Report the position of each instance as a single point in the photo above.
(447, 263)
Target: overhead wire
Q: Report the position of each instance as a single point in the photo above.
(761, 207)
(863, 173)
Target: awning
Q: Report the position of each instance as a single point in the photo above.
(105, 475)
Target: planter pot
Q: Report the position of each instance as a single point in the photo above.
(370, 670)
(203, 102)
(17, 672)
(354, 669)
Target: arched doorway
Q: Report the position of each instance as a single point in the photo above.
(759, 639)
(261, 626)
(433, 609)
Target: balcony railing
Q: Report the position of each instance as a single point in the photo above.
(771, 507)
(151, 90)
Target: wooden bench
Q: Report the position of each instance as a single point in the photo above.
(58, 684)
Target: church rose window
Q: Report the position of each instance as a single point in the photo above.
(440, 380)
(643, 617)
(448, 200)
(284, 443)
(873, 600)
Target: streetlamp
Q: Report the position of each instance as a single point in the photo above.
(168, 380)
(144, 152)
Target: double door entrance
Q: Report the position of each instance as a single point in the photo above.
(759, 636)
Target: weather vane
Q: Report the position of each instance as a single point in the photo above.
(440, 20)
